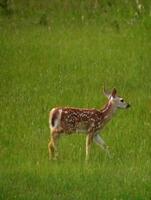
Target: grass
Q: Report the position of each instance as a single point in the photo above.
(67, 65)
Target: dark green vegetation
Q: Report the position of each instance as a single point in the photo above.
(62, 54)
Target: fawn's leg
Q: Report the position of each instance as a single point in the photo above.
(52, 145)
(89, 140)
(99, 141)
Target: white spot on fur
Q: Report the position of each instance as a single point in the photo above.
(57, 120)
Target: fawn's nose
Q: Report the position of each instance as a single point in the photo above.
(128, 105)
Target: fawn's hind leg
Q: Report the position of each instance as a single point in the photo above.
(52, 145)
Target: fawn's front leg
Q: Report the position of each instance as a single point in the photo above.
(89, 140)
(99, 141)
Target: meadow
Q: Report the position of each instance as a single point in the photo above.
(65, 62)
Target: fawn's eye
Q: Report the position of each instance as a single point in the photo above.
(122, 100)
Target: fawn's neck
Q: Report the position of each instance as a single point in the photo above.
(109, 110)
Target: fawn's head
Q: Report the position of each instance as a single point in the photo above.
(116, 100)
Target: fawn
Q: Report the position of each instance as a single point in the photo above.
(67, 120)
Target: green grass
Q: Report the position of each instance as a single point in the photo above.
(41, 68)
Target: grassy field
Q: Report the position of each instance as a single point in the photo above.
(44, 66)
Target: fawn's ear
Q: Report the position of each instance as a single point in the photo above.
(106, 93)
(114, 92)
